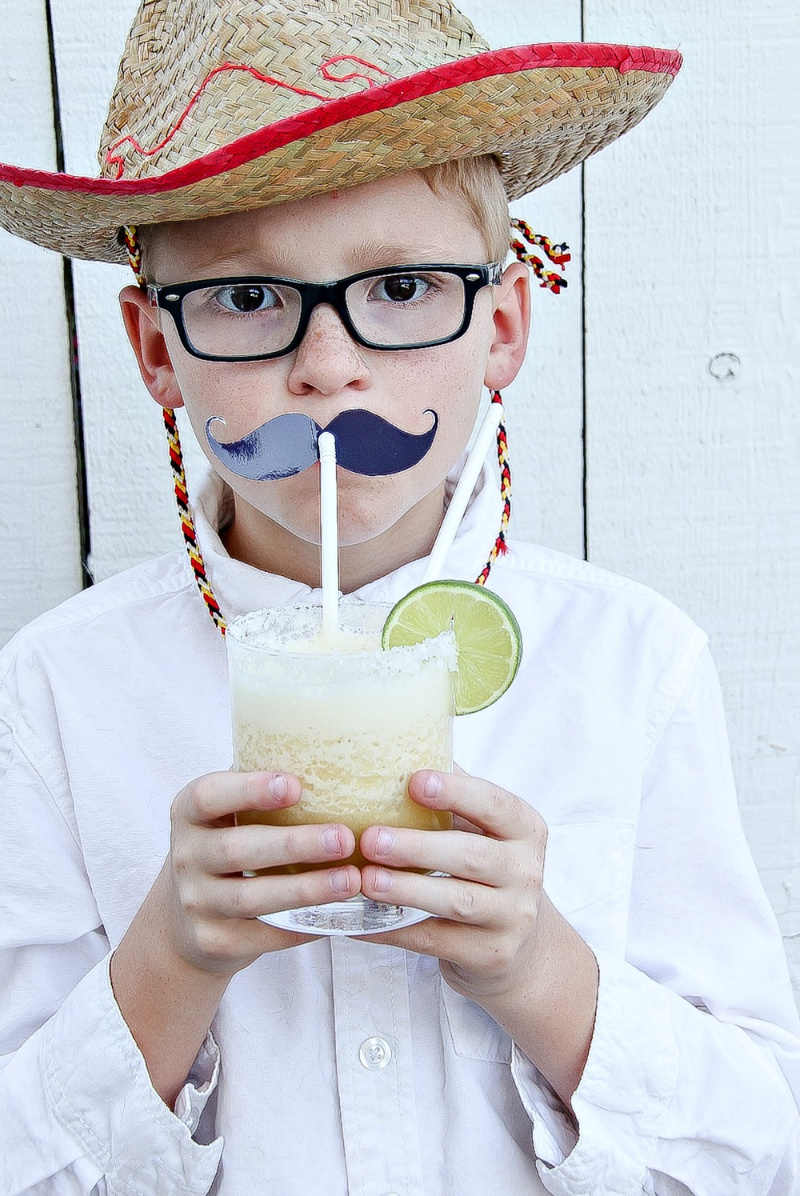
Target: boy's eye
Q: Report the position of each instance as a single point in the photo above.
(401, 288)
(247, 298)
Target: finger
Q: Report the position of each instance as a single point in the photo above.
(443, 940)
(446, 897)
(249, 848)
(220, 794)
(254, 896)
(461, 853)
(463, 824)
(486, 805)
(222, 941)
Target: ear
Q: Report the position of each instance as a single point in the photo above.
(512, 317)
(143, 326)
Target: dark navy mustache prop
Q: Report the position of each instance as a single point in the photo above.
(286, 445)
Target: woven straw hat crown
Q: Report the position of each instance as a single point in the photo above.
(223, 105)
(196, 76)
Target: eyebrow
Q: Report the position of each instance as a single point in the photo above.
(369, 255)
(379, 254)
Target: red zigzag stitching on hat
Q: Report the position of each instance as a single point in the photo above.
(113, 158)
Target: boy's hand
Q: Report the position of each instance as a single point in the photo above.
(499, 940)
(487, 908)
(210, 908)
(198, 924)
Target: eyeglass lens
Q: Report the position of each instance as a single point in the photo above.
(251, 319)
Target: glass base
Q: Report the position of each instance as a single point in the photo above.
(357, 915)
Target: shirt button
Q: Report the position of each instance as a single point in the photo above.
(375, 1054)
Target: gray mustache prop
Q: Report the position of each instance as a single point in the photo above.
(286, 445)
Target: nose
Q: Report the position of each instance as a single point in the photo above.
(327, 360)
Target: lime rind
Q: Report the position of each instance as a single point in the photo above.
(487, 634)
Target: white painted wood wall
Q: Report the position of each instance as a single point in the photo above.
(684, 343)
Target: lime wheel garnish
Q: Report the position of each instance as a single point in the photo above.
(487, 636)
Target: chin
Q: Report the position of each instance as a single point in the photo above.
(351, 533)
(301, 520)
(365, 520)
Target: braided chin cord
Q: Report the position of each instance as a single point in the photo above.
(557, 254)
(500, 546)
(134, 249)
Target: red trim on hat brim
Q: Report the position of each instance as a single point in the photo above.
(385, 96)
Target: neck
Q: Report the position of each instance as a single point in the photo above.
(257, 540)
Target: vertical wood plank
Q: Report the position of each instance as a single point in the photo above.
(132, 511)
(693, 293)
(545, 403)
(39, 539)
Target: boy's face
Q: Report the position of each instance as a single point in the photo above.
(392, 222)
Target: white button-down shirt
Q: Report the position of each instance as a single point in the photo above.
(346, 1067)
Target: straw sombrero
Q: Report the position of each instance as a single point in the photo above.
(224, 105)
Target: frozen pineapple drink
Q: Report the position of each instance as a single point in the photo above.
(351, 721)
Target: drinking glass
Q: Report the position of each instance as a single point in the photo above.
(352, 722)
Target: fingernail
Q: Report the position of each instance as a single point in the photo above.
(382, 881)
(330, 839)
(340, 880)
(384, 842)
(432, 785)
(278, 787)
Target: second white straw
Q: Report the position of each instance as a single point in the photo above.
(466, 483)
(329, 535)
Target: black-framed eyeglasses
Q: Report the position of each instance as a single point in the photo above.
(255, 318)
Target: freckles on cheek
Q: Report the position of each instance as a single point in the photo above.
(240, 393)
(449, 383)
(457, 413)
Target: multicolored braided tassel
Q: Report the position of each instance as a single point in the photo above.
(500, 545)
(559, 255)
(187, 521)
(134, 248)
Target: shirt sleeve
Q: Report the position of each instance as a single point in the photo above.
(693, 1075)
(78, 1113)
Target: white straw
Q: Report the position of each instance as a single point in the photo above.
(329, 535)
(461, 496)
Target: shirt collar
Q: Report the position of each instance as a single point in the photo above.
(240, 587)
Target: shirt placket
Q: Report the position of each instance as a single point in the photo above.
(375, 1070)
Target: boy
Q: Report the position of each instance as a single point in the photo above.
(603, 980)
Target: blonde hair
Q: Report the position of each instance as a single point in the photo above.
(478, 181)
